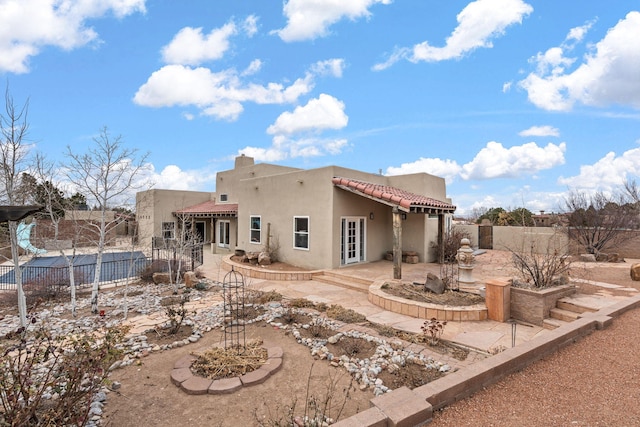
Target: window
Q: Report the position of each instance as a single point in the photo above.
(301, 232)
(223, 234)
(168, 230)
(223, 197)
(255, 229)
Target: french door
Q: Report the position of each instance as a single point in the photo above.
(353, 236)
(223, 233)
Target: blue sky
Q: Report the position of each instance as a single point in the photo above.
(514, 102)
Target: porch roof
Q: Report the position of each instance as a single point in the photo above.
(210, 209)
(393, 196)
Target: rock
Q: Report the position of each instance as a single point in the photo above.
(190, 279)
(161, 278)
(587, 258)
(264, 258)
(252, 257)
(635, 272)
(434, 284)
(614, 257)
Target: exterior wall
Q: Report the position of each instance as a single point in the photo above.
(543, 239)
(231, 182)
(472, 230)
(420, 183)
(278, 194)
(277, 199)
(81, 233)
(154, 207)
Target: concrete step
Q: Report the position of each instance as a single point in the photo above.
(586, 302)
(566, 315)
(553, 323)
(577, 305)
(343, 281)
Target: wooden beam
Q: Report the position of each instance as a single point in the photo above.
(441, 239)
(397, 244)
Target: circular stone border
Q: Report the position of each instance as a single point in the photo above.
(182, 376)
(424, 310)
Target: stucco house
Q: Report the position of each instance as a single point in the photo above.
(320, 218)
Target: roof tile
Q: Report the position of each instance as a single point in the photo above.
(393, 195)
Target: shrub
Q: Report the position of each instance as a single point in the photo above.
(50, 381)
(433, 329)
(540, 270)
(176, 313)
(345, 314)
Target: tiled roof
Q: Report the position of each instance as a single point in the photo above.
(405, 200)
(211, 208)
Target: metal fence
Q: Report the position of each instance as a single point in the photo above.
(188, 257)
(44, 277)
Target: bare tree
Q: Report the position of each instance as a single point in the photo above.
(599, 222)
(14, 128)
(108, 174)
(186, 240)
(632, 191)
(52, 198)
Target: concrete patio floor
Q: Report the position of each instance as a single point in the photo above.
(482, 335)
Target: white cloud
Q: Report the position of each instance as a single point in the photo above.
(479, 23)
(540, 131)
(217, 94)
(608, 173)
(447, 169)
(27, 26)
(496, 161)
(253, 68)
(284, 147)
(332, 67)
(191, 47)
(492, 161)
(308, 20)
(608, 75)
(250, 25)
(172, 177)
(324, 112)
(318, 115)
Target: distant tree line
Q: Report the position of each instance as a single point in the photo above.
(597, 221)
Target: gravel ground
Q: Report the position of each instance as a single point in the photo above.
(594, 382)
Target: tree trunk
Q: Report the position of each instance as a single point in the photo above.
(22, 299)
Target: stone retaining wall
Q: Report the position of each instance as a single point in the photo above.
(533, 306)
(423, 310)
(257, 272)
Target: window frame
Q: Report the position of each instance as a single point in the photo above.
(258, 230)
(170, 227)
(300, 233)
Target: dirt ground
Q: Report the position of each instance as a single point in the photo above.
(148, 397)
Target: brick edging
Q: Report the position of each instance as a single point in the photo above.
(264, 273)
(182, 376)
(417, 405)
(423, 310)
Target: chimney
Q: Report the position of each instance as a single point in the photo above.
(242, 161)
